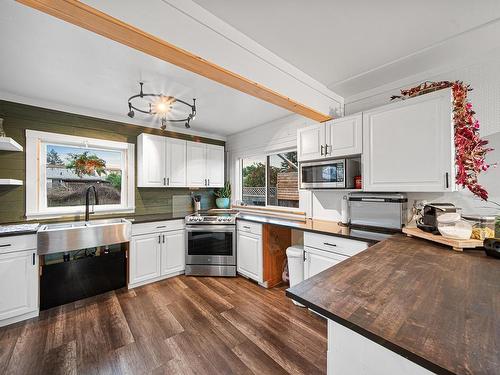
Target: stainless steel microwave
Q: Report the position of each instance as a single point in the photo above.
(329, 174)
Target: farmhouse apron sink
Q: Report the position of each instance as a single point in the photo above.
(56, 238)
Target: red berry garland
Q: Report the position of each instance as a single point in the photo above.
(470, 150)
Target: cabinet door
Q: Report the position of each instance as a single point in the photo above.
(151, 167)
(196, 164)
(215, 166)
(249, 256)
(145, 251)
(18, 283)
(173, 252)
(344, 136)
(408, 146)
(318, 260)
(311, 142)
(176, 163)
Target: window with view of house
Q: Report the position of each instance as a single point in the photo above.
(61, 168)
(270, 180)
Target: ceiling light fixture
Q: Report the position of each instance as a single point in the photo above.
(160, 105)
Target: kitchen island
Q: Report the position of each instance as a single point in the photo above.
(407, 306)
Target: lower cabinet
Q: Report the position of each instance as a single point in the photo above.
(323, 251)
(317, 261)
(249, 256)
(18, 286)
(155, 256)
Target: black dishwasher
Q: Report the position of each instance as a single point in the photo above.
(71, 276)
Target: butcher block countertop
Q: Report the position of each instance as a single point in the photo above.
(436, 307)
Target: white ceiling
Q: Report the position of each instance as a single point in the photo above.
(48, 61)
(354, 46)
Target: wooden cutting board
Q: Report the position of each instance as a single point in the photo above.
(457, 245)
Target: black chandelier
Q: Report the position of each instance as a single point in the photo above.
(161, 106)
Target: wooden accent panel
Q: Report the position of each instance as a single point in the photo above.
(275, 241)
(19, 117)
(89, 18)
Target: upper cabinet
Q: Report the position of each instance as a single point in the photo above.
(171, 162)
(408, 145)
(205, 165)
(335, 138)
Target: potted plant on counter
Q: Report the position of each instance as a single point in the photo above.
(223, 196)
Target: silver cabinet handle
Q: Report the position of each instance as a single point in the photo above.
(168, 181)
(159, 239)
(163, 238)
(6, 245)
(34, 258)
(164, 181)
(321, 151)
(208, 182)
(326, 149)
(447, 180)
(246, 227)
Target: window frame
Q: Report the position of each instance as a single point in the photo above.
(36, 186)
(266, 156)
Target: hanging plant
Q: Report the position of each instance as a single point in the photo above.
(85, 164)
(470, 148)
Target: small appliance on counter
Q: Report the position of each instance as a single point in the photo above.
(386, 211)
(428, 221)
(492, 247)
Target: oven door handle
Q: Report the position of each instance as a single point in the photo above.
(211, 228)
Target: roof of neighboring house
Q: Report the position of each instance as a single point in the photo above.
(62, 173)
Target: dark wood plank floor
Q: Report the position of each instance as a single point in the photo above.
(183, 325)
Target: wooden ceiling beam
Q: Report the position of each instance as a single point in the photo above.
(87, 17)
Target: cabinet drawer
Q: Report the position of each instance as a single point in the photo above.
(334, 244)
(157, 226)
(10, 244)
(249, 227)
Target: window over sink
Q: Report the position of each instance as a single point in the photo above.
(60, 168)
(270, 180)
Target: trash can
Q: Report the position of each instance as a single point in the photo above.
(295, 255)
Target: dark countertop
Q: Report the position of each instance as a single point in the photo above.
(331, 228)
(139, 219)
(434, 306)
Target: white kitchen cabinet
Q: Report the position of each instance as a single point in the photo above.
(196, 164)
(335, 138)
(344, 136)
(408, 146)
(311, 142)
(18, 285)
(205, 165)
(151, 160)
(173, 252)
(145, 258)
(215, 166)
(317, 261)
(157, 251)
(249, 258)
(176, 162)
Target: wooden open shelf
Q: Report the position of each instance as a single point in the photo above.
(8, 144)
(10, 181)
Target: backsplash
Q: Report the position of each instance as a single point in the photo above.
(19, 117)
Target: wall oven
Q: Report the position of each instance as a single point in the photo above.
(210, 249)
(329, 174)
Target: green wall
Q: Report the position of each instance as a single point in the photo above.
(19, 117)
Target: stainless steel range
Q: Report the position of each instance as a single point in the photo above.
(211, 244)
